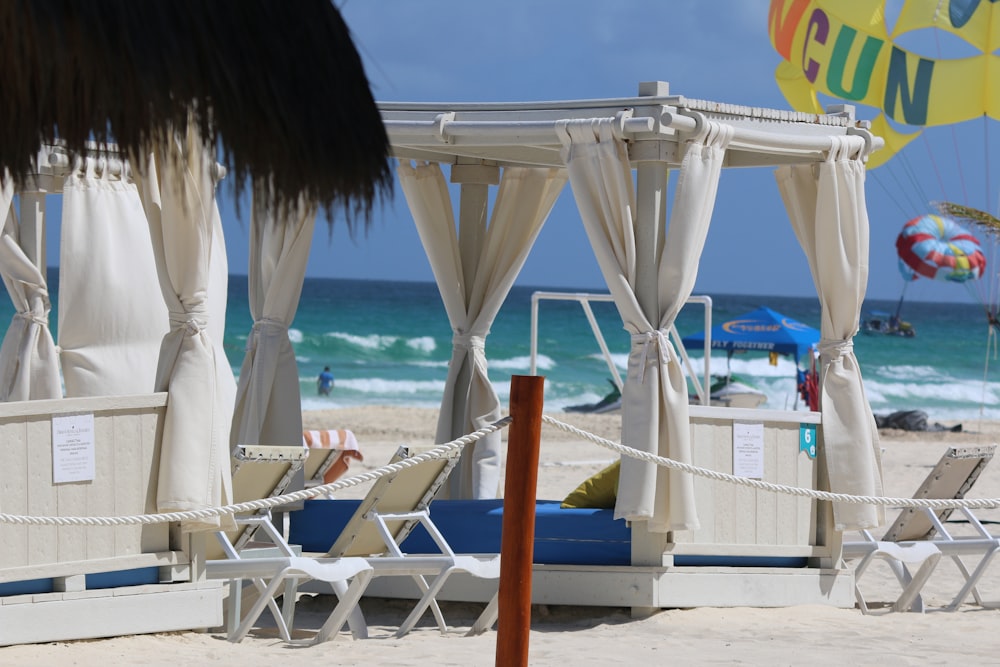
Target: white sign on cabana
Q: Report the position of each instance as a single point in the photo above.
(748, 450)
(73, 448)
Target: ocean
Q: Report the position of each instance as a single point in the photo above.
(389, 343)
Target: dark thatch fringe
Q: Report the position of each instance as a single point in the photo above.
(278, 86)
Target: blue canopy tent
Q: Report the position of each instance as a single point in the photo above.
(763, 330)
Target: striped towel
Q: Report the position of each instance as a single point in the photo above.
(342, 442)
(341, 439)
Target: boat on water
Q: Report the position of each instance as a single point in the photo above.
(881, 323)
(730, 391)
(610, 403)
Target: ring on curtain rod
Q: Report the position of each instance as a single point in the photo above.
(869, 141)
(708, 130)
(441, 121)
(701, 124)
(848, 147)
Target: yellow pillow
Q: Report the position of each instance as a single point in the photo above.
(598, 492)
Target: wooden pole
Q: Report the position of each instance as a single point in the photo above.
(518, 537)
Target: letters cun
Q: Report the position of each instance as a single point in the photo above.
(831, 50)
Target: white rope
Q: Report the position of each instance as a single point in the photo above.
(441, 451)
(932, 503)
(437, 452)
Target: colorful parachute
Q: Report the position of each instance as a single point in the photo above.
(846, 50)
(938, 248)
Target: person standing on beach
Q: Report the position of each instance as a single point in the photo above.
(325, 382)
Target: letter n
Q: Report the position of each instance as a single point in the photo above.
(913, 107)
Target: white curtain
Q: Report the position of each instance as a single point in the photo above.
(179, 197)
(655, 396)
(111, 315)
(268, 404)
(826, 204)
(523, 202)
(29, 361)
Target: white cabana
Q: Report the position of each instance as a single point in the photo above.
(651, 269)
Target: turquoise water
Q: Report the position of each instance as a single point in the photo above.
(390, 342)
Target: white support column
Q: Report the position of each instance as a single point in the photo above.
(475, 177)
(32, 227)
(650, 228)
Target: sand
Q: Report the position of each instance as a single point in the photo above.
(805, 635)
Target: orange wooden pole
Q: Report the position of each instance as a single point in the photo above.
(517, 542)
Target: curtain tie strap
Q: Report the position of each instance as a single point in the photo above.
(40, 320)
(190, 323)
(269, 325)
(832, 349)
(469, 341)
(650, 338)
(265, 326)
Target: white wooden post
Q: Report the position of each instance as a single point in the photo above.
(651, 192)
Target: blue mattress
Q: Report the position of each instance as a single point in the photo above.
(94, 581)
(562, 536)
(573, 537)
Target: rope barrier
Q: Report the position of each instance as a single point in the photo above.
(931, 503)
(439, 451)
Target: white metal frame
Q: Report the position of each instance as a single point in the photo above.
(584, 299)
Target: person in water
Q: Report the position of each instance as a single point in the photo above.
(324, 383)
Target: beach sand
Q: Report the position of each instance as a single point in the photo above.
(808, 635)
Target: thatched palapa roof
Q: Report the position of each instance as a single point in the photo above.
(279, 86)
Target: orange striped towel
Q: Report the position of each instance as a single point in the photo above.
(331, 439)
(341, 440)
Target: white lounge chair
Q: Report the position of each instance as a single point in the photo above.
(392, 508)
(369, 545)
(952, 477)
(260, 472)
(919, 535)
(923, 557)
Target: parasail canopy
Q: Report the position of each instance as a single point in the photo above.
(938, 248)
(848, 51)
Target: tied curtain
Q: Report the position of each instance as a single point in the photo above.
(178, 191)
(111, 315)
(268, 404)
(29, 361)
(523, 202)
(655, 396)
(827, 208)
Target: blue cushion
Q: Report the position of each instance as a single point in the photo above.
(562, 536)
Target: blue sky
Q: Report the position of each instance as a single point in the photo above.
(519, 50)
